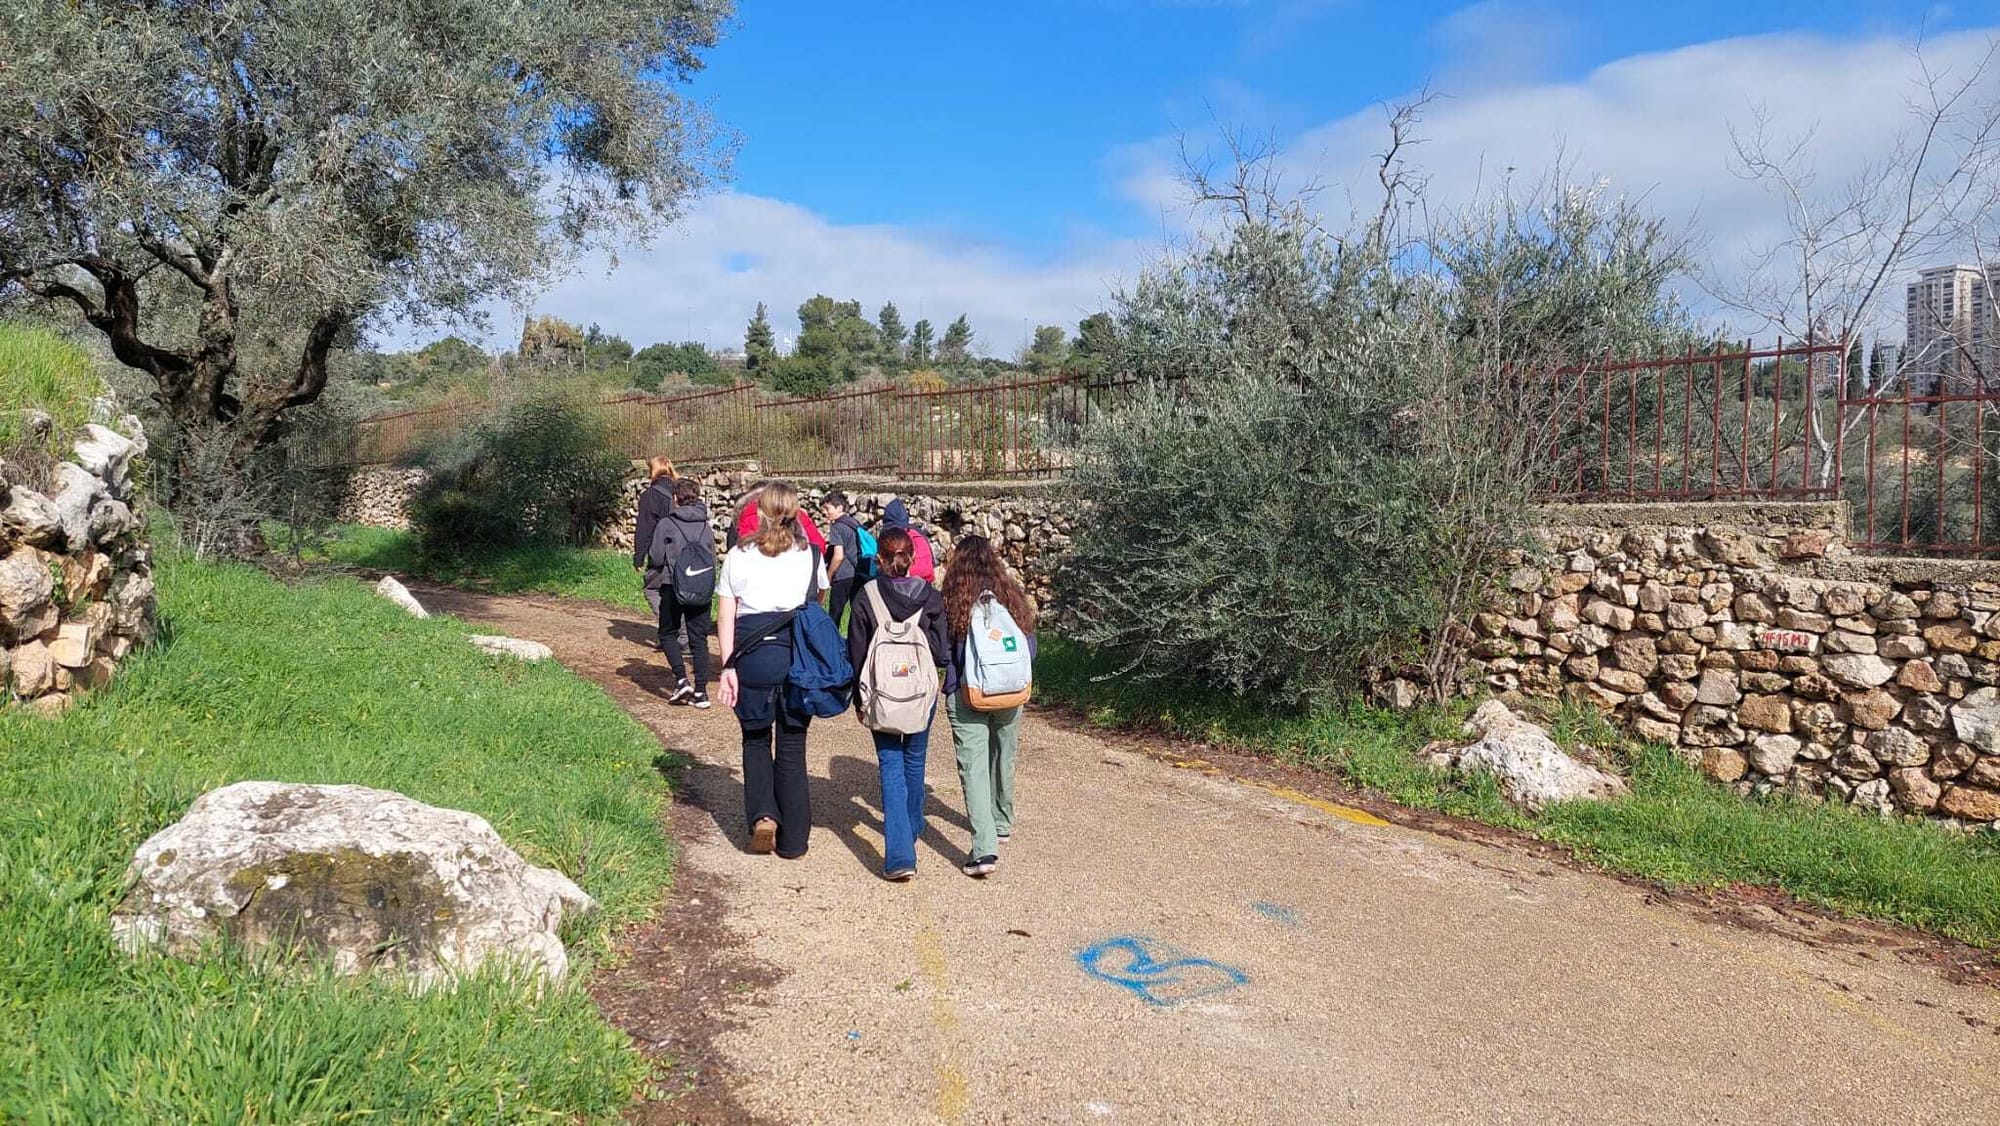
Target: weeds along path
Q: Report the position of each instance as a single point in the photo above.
(1165, 945)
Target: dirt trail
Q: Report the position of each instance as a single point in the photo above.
(1165, 945)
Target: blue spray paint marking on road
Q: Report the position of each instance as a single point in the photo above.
(1157, 973)
(1277, 913)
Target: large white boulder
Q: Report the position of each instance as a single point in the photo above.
(396, 592)
(1532, 771)
(367, 879)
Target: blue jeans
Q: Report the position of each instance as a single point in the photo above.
(902, 760)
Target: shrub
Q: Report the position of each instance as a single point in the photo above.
(1326, 462)
(542, 470)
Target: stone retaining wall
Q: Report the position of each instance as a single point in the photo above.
(1027, 520)
(380, 497)
(76, 587)
(1750, 639)
(1745, 635)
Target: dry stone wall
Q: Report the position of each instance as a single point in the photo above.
(380, 497)
(76, 586)
(1029, 522)
(1747, 637)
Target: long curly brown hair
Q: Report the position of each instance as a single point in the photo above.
(972, 569)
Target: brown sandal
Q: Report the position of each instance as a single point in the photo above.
(764, 835)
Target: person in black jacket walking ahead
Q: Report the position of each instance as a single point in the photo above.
(655, 501)
(685, 598)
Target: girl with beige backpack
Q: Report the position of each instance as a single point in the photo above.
(896, 643)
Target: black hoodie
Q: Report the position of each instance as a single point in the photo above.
(688, 523)
(903, 597)
(655, 501)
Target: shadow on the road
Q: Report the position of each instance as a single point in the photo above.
(854, 801)
(648, 676)
(844, 802)
(638, 633)
(710, 787)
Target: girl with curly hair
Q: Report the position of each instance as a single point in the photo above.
(987, 742)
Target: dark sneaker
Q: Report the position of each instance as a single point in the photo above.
(700, 700)
(764, 835)
(980, 865)
(900, 874)
(683, 694)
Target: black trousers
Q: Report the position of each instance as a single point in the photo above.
(700, 624)
(838, 593)
(774, 740)
(774, 782)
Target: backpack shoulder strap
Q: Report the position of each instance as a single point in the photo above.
(878, 604)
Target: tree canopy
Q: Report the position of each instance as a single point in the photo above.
(230, 190)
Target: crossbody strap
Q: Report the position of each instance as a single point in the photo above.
(782, 623)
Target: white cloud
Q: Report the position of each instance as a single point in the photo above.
(1653, 125)
(702, 279)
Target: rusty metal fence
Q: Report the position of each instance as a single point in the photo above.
(1726, 423)
(1793, 421)
(1025, 428)
(1917, 477)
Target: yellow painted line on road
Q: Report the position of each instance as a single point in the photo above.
(954, 1092)
(1331, 809)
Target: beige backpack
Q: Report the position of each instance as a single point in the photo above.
(897, 682)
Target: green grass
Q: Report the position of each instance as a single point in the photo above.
(593, 574)
(42, 371)
(1678, 827)
(323, 682)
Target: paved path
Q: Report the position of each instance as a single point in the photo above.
(1163, 945)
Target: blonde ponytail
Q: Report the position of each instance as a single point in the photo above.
(777, 518)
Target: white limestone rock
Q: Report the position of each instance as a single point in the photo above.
(368, 880)
(396, 592)
(106, 454)
(30, 518)
(1976, 720)
(1532, 771)
(80, 491)
(511, 647)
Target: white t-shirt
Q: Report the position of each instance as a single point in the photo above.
(762, 584)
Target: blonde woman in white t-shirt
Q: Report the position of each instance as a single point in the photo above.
(764, 579)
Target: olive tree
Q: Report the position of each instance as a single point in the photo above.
(229, 191)
(1337, 432)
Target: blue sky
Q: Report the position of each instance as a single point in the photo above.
(1013, 161)
(999, 121)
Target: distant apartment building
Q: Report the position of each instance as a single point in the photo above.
(1951, 338)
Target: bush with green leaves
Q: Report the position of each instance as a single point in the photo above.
(1327, 461)
(541, 470)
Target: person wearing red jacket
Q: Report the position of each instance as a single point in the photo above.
(746, 522)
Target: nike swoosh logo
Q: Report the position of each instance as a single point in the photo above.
(691, 572)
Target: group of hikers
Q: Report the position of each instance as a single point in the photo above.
(918, 637)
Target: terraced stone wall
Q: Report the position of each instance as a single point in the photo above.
(76, 587)
(1751, 639)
